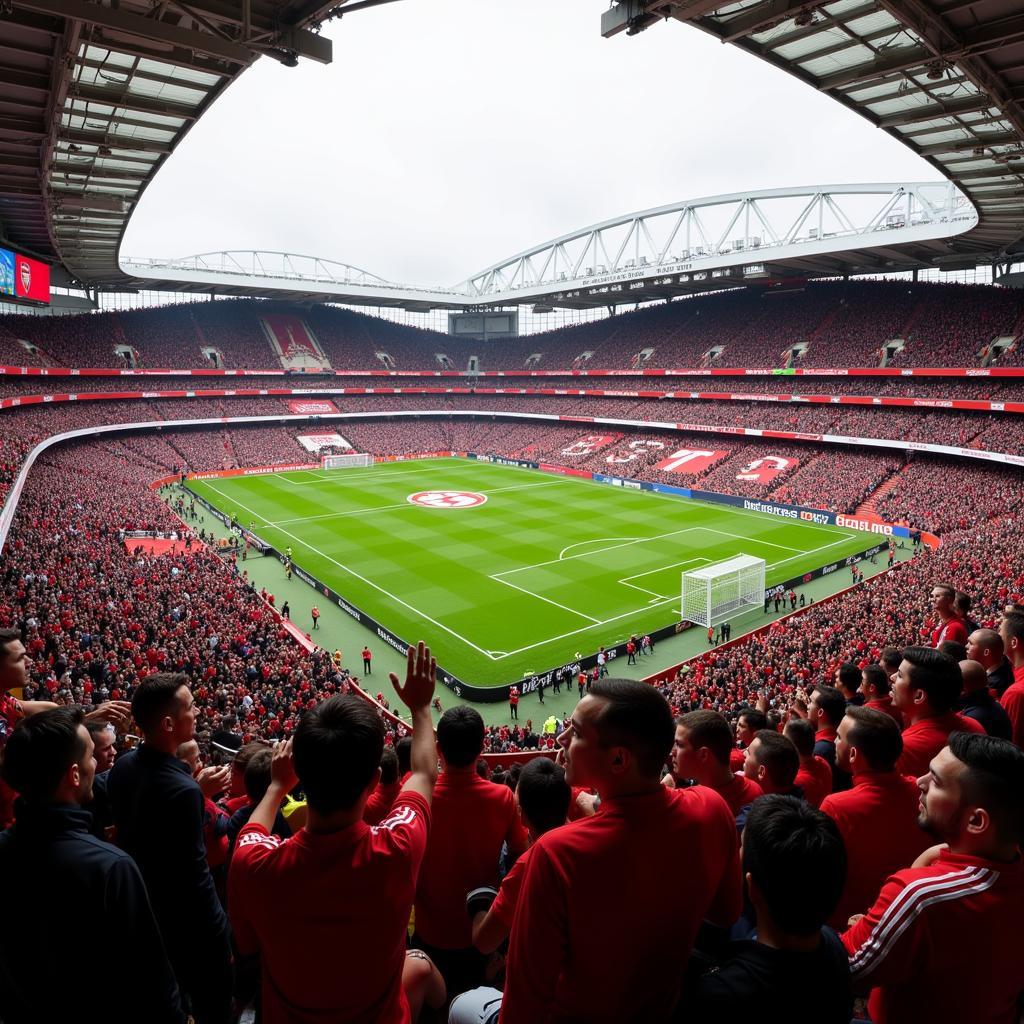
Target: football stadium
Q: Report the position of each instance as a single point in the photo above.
(630, 631)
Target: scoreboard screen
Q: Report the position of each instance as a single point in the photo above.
(22, 278)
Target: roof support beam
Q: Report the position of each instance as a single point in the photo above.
(900, 59)
(146, 30)
(757, 18)
(114, 141)
(952, 108)
(122, 99)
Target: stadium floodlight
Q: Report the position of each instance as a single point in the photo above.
(722, 590)
(346, 461)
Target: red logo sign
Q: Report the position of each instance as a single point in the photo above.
(689, 460)
(447, 499)
(763, 470)
(312, 407)
(32, 280)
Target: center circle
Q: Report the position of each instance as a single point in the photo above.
(447, 499)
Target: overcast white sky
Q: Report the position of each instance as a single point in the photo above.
(448, 134)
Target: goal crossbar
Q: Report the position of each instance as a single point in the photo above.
(718, 592)
(346, 461)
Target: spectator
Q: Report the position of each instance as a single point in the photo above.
(926, 690)
(815, 774)
(382, 799)
(950, 625)
(472, 819)
(1011, 630)
(848, 680)
(215, 819)
(236, 796)
(793, 864)
(748, 725)
(977, 702)
(543, 798)
(158, 812)
(338, 883)
(49, 760)
(257, 782)
(703, 743)
(889, 658)
(878, 816)
(825, 711)
(957, 914)
(13, 676)
(876, 689)
(104, 738)
(985, 646)
(773, 763)
(619, 738)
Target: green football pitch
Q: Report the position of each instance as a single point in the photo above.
(541, 567)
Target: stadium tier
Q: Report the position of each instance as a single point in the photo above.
(819, 325)
(550, 557)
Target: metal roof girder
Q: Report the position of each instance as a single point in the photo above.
(901, 58)
(146, 30)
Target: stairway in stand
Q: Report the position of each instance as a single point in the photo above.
(869, 506)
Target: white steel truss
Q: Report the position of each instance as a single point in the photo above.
(722, 240)
(757, 225)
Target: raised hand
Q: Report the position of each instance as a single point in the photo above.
(117, 712)
(214, 780)
(420, 678)
(282, 767)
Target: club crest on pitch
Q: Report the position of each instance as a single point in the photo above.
(447, 499)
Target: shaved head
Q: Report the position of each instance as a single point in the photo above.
(975, 676)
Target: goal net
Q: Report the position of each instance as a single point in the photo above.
(720, 591)
(346, 461)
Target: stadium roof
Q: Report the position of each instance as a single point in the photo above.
(945, 77)
(95, 96)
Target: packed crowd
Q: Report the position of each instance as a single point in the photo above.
(238, 884)
(832, 842)
(824, 324)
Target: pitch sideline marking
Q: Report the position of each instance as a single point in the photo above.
(363, 579)
(548, 600)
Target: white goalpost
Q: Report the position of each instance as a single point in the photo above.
(346, 461)
(720, 591)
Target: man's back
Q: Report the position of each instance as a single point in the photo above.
(942, 943)
(82, 880)
(815, 779)
(328, 914)
(611, 905)
(878, 823)
(158, 814)
(1012, 701)
(926, 737)
(988, 712)
(754, 979)
(470, 819)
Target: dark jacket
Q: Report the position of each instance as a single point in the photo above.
(63, 882)
(758, 983)
(158, 811)
(986, 710)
